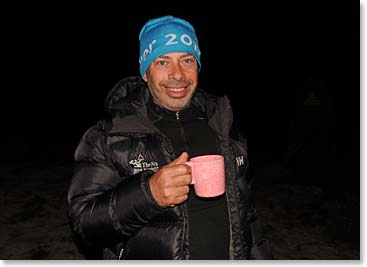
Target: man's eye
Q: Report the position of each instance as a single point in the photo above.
(189, 61)
(162, 62)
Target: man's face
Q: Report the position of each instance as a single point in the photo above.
(172, 80)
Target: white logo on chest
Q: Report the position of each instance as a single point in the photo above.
(240, 161)
(140, 164)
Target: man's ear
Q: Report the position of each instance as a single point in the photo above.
(145, 77)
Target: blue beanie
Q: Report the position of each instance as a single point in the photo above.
(164, 35)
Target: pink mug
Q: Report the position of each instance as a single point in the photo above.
(208, 175)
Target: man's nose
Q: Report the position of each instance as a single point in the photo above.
(176, 72)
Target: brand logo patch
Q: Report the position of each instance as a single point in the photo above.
(240, 161)
(139, 164)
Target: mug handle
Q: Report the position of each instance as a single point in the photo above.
(191, 164)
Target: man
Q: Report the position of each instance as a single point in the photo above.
(130, 195)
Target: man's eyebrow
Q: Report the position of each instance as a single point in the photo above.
(168, 57)
(163, 56)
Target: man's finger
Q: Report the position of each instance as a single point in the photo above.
(182, 180)
(180, 160)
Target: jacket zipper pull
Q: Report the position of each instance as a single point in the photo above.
(177, 115)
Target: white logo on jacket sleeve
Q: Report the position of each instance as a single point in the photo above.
(139, 164)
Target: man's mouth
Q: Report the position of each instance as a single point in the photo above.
(176, 89)
(176, 92)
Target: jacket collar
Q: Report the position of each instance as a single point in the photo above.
(128, 100)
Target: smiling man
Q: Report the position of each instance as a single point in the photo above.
(131, 195)
(172, 80)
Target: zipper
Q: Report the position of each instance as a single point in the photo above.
(231, 245)
(120, 254)
(182, 131)
(184, 210)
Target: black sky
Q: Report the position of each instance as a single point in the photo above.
(61, 61)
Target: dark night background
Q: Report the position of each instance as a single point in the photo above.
(59, 63)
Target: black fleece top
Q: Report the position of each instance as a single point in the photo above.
(188, 130)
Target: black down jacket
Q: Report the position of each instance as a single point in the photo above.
(110, 207)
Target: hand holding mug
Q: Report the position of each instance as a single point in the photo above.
(170, 184)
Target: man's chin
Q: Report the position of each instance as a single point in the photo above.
(176, 107)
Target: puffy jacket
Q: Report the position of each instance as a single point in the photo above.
(110, 207)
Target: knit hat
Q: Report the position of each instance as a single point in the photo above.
(164, 35)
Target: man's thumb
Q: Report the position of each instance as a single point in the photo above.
(181, 159)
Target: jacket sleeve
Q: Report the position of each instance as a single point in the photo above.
(104, 208)
(260, 248)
